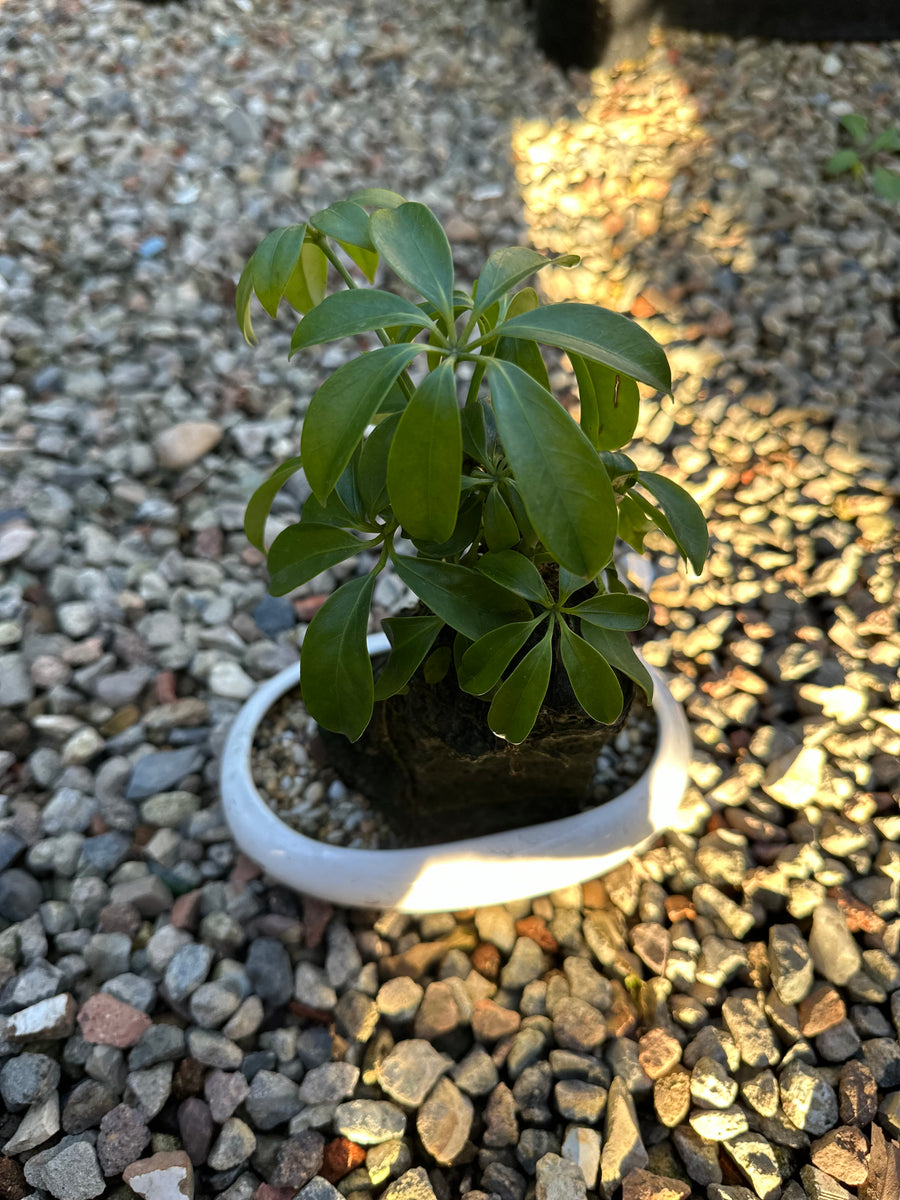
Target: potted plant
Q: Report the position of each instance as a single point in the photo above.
(443, 454)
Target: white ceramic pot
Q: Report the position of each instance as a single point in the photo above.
(454, 875)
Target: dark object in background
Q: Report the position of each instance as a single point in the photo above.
(590, 33)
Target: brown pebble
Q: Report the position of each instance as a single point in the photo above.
(188, 1079)
(860, 918)
(106, 1021)
(679, 908)
(340, 1157)
(672, 1097)
(12, 1180)
(841, 1153)
(658, 1053)
(186, 909)
(594, 894)
(490, 1021)
(486, 960)
(536, 929)
(644, 1185)
(822, 1009)
(316, 916)
(858, 1094)
(119, 918)
(175, 1162)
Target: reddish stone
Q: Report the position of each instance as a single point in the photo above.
(486, 960)
(536, 929)
(244, 870)
(340, 1157)
(490, 1021)
(266, 1191)
(307, 608)
(860, 918)
(12, 1180)
(165, 687)
(318, 1016)
(106, 1021)
(679, 908)
(822, 1009)
(186, 909)
(841, 1153)
(208, 542)
(147, 1176)
(316, 915)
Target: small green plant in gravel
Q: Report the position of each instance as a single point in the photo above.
(443, 453)
(861, 159)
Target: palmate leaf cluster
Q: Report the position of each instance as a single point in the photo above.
(511, 507)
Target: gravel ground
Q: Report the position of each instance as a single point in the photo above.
(718, 1019)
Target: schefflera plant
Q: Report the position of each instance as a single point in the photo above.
(447, 437)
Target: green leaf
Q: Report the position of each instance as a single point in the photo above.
(509, 266)
(376, 198)
(513, 497)
(260, 504)
(332, 512)
(563, 484)
(335, 668)
(613, 404)
(856, 126)
(619, 653)
(527, 356)
(463, 598)
(500, 528)
(844, 160)
(518, 700)
(304, 550)
(613, 610)
(592, 678)
(516, 573)
(357, 310)
(485, 661)
(886, 184)
(345, 222)
(306, 286)
(411, 638)
(466, 530)
(425, 462)
(619, 466)
(415, 247)
(474, 433)
(596, 334)
(568, 583)
(888, 140)
(371, 472)
(634, 525)
(687, 523)
(437, 664)
(267, 272)
(342, 408)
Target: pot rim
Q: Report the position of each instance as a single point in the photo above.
(578, 846)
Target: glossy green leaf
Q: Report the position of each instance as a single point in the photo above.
(304, 550)
(568, 583)
(527, 356)
(260, 504)
(474, 431)
(342, 408)
(357, 310)
(686, 520)
(345, 222)
(411, 638)
(466, 530)
(634, 524)
(613, 404)
(843, 160)
(563, 484)
(517, 573)
(613, 610)
(500, 528)
(485, 661)
(437, 664)
(413, 244)
(857, 126)
(518, 700)
(619, 653)
(619, 467)
(332, 512)
(597, 334)
(267, 273)
(507, 267)
(463, 598)
(592, 678)
(374, 197)
(425, 462)
(335, 668)
(306, 286)
(347, 488)
(371, 472)
(886, 184)
(513, 497)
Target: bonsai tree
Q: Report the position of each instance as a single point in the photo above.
(443, 453)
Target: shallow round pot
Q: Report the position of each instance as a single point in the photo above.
(454, 875)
